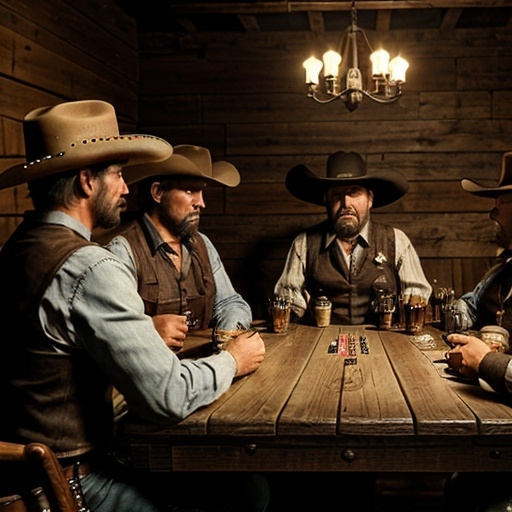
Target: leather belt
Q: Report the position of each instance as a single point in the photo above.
(87, 463)
(84, 468)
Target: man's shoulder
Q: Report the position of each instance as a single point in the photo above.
(390, 229)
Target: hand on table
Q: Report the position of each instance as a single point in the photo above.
(173, 329)
(248, 349)
(472, 350)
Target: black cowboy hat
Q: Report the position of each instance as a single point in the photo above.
(504, 185)
(346, 169)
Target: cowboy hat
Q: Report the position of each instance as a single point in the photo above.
(345, 169)
(77, 134)
(189, 161)
(504, 185)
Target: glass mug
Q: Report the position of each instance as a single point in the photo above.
(280, 310)
(415, 317)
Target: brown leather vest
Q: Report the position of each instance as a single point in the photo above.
(351, 294)
(493, 298)
(60, 399)
(162, 287)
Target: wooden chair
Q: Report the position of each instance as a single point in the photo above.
(41, 460)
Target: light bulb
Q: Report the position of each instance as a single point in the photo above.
(313, 67)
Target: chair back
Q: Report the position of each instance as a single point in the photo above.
(39, 461)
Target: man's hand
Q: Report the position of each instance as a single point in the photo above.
(248, 350)
(173, 329)
(473, 350)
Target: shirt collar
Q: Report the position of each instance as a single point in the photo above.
(154, 238)
(62, 219)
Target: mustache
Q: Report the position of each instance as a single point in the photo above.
(346, 211)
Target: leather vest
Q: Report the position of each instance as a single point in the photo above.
(493, 299)
(163, 288)
(351, 293)
(60, 399)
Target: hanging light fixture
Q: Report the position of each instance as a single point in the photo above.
(387, 75)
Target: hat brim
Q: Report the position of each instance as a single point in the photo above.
(479, 190)
(387, 186)
(223, 172)
(135, 149)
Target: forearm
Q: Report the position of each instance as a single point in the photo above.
(496, 369)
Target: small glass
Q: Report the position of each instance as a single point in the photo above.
(452, 319)
(415, 313)
(280, 310)
(385, 308)
(496, 337)
(220, 338)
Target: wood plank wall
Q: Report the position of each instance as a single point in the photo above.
(243, 96)
(55, 51)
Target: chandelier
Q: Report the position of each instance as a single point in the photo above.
(346, 82)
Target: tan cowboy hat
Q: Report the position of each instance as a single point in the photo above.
(186, 160)
(504, 185)
(346, 169)
(77, 134)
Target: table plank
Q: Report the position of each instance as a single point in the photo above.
(492, 410)
(436, 408)
(255, 409)
(313, 406)
(372, 402)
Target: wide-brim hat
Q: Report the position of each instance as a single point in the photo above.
(345, 169)
(186, 161)
(504, 184)
(78, 134)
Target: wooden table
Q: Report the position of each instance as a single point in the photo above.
(305, 409)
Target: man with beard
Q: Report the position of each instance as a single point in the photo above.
(489, 303)
(348, 258)
(75, 324)
(180, 275)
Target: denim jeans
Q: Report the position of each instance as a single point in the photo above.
(126, 491)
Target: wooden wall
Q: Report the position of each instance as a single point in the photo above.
(243, 96)
(55, 51)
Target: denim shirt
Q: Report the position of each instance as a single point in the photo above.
(230, 310)
(92, 304)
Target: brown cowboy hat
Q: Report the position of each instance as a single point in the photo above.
(346, 169)
(77, 134)
(504, 185)
(189, 161)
